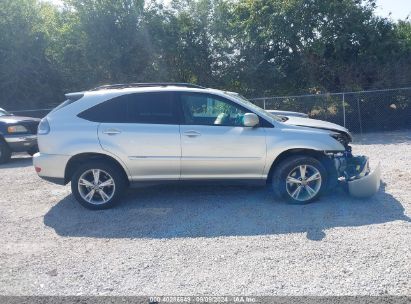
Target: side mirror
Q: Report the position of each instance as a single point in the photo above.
(250, 120)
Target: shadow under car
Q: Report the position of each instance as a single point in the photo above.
(212, 211)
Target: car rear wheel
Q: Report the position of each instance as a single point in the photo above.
(300, 179)
(97, 185)
(5, 152)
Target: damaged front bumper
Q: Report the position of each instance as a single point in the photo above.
(367, 185)
(356, 172)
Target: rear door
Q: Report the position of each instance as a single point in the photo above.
(142, 129)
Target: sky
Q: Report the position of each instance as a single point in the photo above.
(399, 9)
(395, 9)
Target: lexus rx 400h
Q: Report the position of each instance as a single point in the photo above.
(108, 138)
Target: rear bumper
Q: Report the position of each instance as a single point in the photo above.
(51, 167)
(21, 143)
(367, 185)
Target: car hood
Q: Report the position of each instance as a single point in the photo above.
(314, 123)
(11, 119)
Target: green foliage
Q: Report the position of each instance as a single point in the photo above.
(265, 47)
(27, 76)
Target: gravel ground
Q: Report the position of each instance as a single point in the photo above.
(185, 240)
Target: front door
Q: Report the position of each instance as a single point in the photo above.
(214, 142)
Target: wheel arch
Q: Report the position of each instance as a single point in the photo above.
(81, 158)
(319, 155)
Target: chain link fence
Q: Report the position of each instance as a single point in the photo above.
(360, 112)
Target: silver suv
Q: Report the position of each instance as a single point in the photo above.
(108, 138)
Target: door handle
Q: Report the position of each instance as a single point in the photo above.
(192, 133)
(111, 131)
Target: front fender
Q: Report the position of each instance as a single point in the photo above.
(280, 141)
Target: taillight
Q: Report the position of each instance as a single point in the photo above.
(44, 127)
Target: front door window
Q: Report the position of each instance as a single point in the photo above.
(201, 109)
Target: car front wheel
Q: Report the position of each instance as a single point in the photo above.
(300, 179)
(97, 185)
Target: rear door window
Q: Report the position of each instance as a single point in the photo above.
(153, 108)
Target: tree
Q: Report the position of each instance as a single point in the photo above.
(310, 46)
(27, 76)
(266, 47)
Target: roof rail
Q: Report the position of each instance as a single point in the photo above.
(150, 84)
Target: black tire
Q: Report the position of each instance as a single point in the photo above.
(5, 152)
(33, 150)
(286, 167)
(106, 169)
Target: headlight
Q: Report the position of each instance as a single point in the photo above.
(17, 129)
(44, 127)
(342, 138)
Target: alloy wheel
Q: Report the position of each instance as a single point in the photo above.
(96, 186)
(303, 183)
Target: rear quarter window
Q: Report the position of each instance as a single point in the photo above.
(113, 110)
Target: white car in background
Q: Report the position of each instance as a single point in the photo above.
(287, 113)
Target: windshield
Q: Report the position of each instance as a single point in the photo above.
(253, 106)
